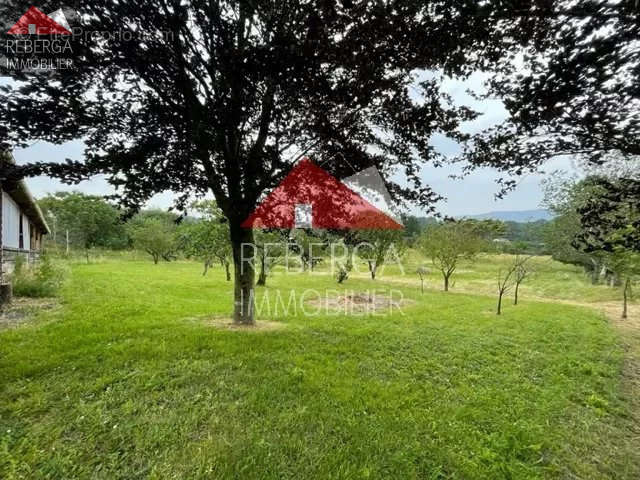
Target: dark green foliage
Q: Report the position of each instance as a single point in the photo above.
(610, 216)
(155, 232)
(379, 246)
(207, 237)
(527, 237)
(412, 227)
(89, 220)
(449, 242)
(486, 229)
(574, 92)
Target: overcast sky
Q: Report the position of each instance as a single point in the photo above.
(472, 195)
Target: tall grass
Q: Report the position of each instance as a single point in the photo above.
(42, 280)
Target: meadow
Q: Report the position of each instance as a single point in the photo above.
(132, 377)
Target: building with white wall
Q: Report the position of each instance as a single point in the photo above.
(23, 224)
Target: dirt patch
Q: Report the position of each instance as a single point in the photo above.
(21, 311)
(359, 303)
(226, 323)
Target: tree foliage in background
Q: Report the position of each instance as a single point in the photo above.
(155, 232)
(270, 247)
(574, 91)
(90, 221)
(309, 245)
(487, 229)
(606, 247)
(207, 237)
(564, 196)
(378, 246)
(610, 215)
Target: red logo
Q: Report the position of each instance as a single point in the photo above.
(309, 197)
(34, 22)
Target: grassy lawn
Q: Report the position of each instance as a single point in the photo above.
(128, 380)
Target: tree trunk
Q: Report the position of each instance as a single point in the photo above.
(207, 264)
(244, 274)
(446, 283)
(627, 285)
(372, 268)
(262, 277)
(226, 268)
(422, 285)
(500, 303)
(515, 297)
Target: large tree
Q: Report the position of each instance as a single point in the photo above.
(564, 197)
(224, 96)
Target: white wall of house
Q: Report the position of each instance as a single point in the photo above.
(26, 231)
(10, 222)
(11, 225)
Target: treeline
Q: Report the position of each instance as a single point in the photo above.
(509, 236)
(84, 222)
(80, 222)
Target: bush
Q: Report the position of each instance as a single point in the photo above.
(44, 280)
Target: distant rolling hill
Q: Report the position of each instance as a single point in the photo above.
(521, 216)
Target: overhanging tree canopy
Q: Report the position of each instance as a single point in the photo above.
(575, 90)
(224, 96)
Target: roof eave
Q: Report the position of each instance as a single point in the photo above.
(22, 196)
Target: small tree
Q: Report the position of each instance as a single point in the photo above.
(208, 238)
(347, 240)
(377, 246)
(306, 243)
(505, 282)
(154, 235)
(344, 269)
(422, 273)
(270, 246)
(521, 273)
(446, 244)
(626, 266)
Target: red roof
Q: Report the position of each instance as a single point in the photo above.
(333, 204)
(44, 25)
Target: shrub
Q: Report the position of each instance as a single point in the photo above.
(44, 280)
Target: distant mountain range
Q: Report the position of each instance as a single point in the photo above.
(521, 216)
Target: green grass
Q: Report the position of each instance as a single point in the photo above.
(126, 381)
(548, 279)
